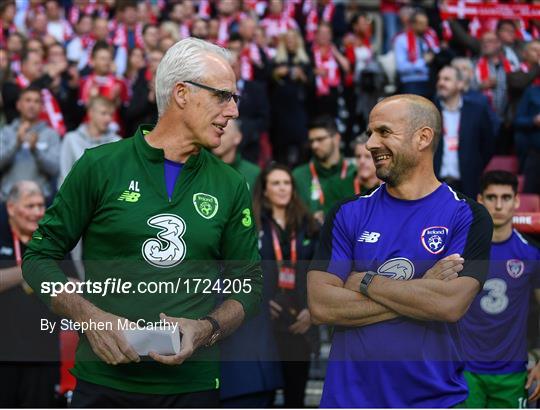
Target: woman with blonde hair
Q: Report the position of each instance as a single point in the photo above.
(292, 77)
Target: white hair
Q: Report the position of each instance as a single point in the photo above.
(23, 187)
(184, 61)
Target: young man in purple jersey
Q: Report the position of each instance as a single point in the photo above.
(396, 340)
(494, 330)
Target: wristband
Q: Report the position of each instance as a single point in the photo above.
(366, 281)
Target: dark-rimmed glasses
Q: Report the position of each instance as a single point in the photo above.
(223, 96)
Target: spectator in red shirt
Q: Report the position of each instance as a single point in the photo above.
(329, 66)
(103, 82)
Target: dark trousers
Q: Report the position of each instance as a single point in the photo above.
(28, 384)
(90, 395)
(260, 400)
(295, 376)
(294, 352)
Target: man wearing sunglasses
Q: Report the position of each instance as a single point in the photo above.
(157, 208)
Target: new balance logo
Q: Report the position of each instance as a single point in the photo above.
(369, 237)
(129, 196)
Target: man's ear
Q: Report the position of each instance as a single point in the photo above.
(425, 138)
(479, 199)
(180, 95)
(517, 202)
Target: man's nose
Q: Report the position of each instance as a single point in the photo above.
(231, 110)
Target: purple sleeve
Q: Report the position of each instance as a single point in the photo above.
(473, 229)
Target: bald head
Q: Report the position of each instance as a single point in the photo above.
(420, 113)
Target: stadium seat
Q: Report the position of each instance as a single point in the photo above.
(503, 163)
(521, 183)
(529, 203)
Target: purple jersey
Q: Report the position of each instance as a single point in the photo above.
(401, 362)
(494, 329)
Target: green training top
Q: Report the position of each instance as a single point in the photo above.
(249, 170)
(116, 199)
(328, 177)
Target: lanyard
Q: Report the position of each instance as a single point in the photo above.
(17, 248)
(277, 248)
(287, 275)
(18, 259)
(316, 183)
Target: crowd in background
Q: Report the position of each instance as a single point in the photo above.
(77, 74)
(295, 61)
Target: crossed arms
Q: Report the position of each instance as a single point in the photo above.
(440, 295)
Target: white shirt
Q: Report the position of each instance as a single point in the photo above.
(450, 158)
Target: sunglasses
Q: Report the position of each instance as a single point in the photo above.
(223, 96)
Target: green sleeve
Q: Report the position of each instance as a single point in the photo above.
(240, 252)
(61, 228)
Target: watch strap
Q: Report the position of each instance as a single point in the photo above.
(216, 330)
(366, 281)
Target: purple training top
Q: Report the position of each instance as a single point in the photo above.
(401, 362)
(494, 330)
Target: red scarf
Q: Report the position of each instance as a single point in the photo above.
(482, 68)
(482, 73)
(204, 9)
(51, 112)
(429, 37)
(249, 56)
(525, 67)
(312, 19)
(223, 30)
(351, 57)
(274, 26)
(332, 77)
(106, 85)
(447, 31)
(121, 36)
(185, 30)
(535, 32)
(89, 10)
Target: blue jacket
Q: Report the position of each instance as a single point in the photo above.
(476, 145)
(527, 134)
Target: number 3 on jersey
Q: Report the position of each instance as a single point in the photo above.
(169, 249)
(495, 301)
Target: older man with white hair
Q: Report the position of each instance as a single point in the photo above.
(154, 210)
(28, 356)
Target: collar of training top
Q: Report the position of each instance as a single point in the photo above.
(157, 154)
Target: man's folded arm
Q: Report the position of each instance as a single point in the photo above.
(330, 303)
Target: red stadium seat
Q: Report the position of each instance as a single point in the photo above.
(503, 163)
(529, 203)
(521, 183)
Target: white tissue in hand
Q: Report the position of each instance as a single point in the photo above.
(163, 341)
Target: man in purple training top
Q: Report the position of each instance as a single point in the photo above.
(494, 330)
(386, 272)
